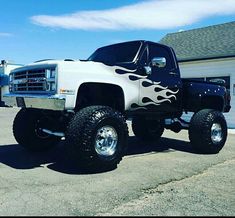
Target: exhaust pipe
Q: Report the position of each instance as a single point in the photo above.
(49, 132)
(176, 125)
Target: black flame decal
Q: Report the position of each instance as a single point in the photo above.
(155, 94)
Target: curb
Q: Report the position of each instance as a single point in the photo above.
(231, 131)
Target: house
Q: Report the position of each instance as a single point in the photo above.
(207, 53)
(5, 69)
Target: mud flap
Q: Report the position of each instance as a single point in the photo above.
(20, 102)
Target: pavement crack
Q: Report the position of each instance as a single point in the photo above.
(152, 190)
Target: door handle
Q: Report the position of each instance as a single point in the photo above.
(172, 73)
(148, 70)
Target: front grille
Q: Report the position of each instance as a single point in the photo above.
(32, 81)
(30, 74)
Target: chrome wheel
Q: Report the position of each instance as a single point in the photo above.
(216, 133)
(106, 141)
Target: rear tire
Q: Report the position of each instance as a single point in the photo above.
(27, 133)
(97, 137)
(208, 131)
(147, 130)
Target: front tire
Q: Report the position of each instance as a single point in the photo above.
(27, 133)
(97, 137)
(146, 129)
(208, 131)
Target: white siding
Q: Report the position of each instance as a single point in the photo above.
(213, 68)
(1, 70)
(6, 70)
(9, 67)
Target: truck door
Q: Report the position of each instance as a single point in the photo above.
(161, 90)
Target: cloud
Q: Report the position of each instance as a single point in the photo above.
(151, 14)
(5, 34)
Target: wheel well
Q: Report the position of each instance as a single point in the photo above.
(100, 94)
(212, 102)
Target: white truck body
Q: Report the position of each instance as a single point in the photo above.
(70, 75)
(86, 72)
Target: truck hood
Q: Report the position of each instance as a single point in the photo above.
(80, 65)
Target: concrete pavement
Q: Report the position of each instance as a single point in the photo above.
(165, 178)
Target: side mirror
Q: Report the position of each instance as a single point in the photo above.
(159, 62)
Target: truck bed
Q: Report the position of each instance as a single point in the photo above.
(198, 94)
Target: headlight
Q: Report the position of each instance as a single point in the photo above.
(53, 86)
(10, 88)
(50, 73)
(10, 77)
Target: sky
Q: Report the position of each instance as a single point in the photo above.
(32, 30)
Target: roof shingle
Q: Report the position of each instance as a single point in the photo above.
(203, 43)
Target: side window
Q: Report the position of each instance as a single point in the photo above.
(144, 58)
(159, 51)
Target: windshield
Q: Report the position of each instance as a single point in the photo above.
(118, 53)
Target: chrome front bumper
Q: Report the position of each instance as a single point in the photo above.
(39, 102)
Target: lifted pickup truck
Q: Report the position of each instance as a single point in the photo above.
(87, 103)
